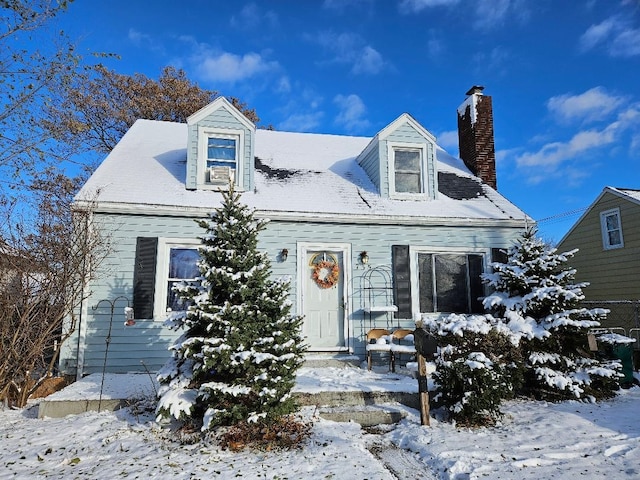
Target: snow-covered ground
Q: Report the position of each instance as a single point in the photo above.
(534, 440)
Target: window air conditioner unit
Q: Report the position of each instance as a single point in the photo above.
(221, 175)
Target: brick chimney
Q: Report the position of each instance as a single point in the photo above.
(475, 135)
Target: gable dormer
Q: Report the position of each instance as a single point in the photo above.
(400, 161)
(220, 147)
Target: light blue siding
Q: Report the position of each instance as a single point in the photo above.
(370, 162)
(148, 340)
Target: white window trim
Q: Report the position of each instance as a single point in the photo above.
(204, 133)
(605, 233)
(413, 265)
(422, 147)
(162, 271)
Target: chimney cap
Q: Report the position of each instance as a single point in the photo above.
(475, 89)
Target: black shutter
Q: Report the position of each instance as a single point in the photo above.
(476, 290)
(401, 280)
(499, 255)
(144, 276)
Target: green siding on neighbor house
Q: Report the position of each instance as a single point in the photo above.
(613, 274)
(147, 341)
(220, 118)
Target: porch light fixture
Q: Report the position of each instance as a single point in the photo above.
(364, 257)
(284, 254)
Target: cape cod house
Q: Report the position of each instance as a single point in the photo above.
(409, 227)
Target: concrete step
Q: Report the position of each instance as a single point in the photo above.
(357, 398)
(366, 416)
(319, 360)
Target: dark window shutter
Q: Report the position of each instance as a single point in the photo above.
(401, 280)
(144, 276)
(476, 290)
(499, 255)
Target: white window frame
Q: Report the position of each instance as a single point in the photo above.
(162, 270)
(422, 148)
(413, 265)
(204, 133)
(605, 232)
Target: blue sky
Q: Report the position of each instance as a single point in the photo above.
(563, 75)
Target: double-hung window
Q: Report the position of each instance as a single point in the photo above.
(221, 159)
(177, 263)
(611, 229)
(449, 282)
(220, 154)
(407, 171)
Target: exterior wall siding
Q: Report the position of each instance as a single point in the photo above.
(148, 340)
(371, 164)
(613, 274)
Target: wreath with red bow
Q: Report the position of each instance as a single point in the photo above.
(326, 274)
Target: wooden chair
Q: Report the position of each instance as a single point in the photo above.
(378, 340)
(397, 348)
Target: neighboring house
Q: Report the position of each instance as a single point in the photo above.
(409, 227)
(608, 238)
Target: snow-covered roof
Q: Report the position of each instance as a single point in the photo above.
(629, 194)
(296, 175)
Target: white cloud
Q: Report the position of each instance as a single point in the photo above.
(483, 14)
(449, 141)
(144, 40)
(349, 48)
(230, 68)
(301, 122)
(251, 17)
(369, 61)
(555, 153)
(573, 159)
(594, 104)
(616, 34)
(415, 6)
(352, 111)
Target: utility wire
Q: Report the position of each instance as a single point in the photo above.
(561, 216)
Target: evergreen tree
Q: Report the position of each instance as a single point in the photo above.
(535, 293)
(238, 356)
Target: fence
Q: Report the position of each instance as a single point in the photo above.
(623, 314)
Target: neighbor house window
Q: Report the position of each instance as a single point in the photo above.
(220, 155)
(450, 282)
(177, 263)
(611, 229)
(407, 170)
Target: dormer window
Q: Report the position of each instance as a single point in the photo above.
(220, 152)
(407, 171)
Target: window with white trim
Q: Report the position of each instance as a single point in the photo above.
(611, 229)
(450, 282)
(177, 263)
(220, 155)
(407, 178)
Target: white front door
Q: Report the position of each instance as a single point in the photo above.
(324, 299)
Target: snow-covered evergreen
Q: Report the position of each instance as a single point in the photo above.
(536, 295)
(240, 350)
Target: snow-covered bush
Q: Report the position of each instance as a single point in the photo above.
(238, 356)
(535, 295)
(477, 366)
